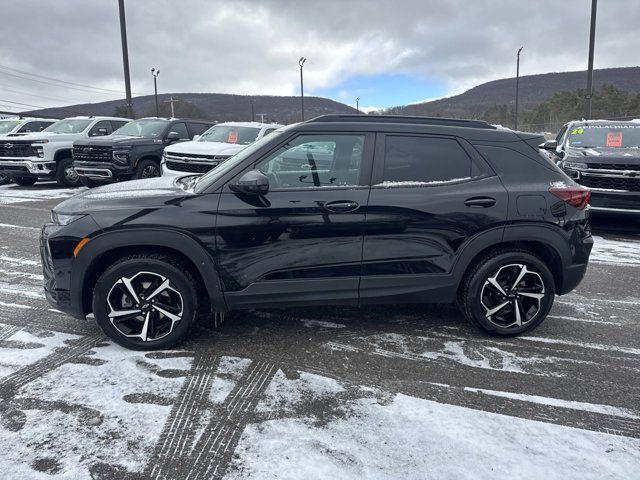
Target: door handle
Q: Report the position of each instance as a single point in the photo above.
(480, 202)
(341, 206)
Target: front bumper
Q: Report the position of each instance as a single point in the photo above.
(104, 171)
(27, 167)
(609, 201)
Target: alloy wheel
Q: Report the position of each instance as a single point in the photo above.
(512, 296)
(70, 174)
(150, 171)
(145, 306)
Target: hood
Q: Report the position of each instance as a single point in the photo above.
(604, 155)
(118, 140)
(52, 137)
(148, 193)
(205, 148)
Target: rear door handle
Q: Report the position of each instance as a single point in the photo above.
(480, 202)
(341, 206)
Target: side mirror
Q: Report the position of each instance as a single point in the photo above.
(550, 145)
(173, 136)
(254, 182)
(196, 138)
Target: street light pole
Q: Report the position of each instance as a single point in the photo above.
(301, 63)
(358, 104)
(517, 83)
(253, 116)
(155, 74)
(592, 42)
(125, 58)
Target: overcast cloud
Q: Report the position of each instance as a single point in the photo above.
(353, 47)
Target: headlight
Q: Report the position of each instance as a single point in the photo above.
(574, 165)
(121, 157)
(42, 141)
(39, 152)
(64, 218)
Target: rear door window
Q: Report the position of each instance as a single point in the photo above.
(422, 161)
(198, 128)
(181, 128)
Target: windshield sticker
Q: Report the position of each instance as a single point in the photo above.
(577, 131)
(614, 139)
(232, 137)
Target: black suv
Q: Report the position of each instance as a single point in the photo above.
(603, 155)
(132, 151)
(341, 209)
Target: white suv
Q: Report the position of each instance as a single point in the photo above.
(212, 147)
(48, 154)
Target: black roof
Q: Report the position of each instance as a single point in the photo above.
(355, 118)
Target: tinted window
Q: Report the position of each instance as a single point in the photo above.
(181, 128)
(146, 127)
(103, 127)
(116, 124)
(198, 128)
(310, 161)
(424, 160)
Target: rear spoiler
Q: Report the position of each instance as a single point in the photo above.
(534, 140)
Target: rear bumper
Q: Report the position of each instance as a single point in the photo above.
(31, 167)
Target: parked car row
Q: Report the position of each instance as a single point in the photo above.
(97, 150)
(604, 156)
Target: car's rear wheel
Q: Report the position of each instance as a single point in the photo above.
(146, 302)
(24, 181)
(66, 175)
(147, 169)
(507, 293)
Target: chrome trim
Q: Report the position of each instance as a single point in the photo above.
(591, 172)
(30, 165)
(613, 210)
(94, 172)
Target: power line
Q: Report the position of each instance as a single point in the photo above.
(37, 95)
(60, 81)
(55, 84)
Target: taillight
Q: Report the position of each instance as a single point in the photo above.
(577, 196)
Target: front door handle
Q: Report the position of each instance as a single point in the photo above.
(341, 206)
(480, 202)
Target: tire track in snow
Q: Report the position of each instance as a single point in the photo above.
(214, 449)
(8, 330)
(173, 447)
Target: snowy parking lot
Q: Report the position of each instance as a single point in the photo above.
(336, 393)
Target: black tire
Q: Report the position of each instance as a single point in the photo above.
(66, 176)
(140, 270)
(478, 295)
(87, 182)
(24, 181)
(4, 179)
(147, 168)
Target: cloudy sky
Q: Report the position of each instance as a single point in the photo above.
(387, 52)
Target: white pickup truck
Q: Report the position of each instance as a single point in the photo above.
(212, 147)
(48, 154)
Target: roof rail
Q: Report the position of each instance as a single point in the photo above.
(452, 122)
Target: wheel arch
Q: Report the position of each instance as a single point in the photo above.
(62, 154)
(100, 252)
(147, 156)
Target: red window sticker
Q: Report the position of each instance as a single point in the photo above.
(233, 137)
(614, 139)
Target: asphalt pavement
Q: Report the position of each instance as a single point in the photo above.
(322, 392)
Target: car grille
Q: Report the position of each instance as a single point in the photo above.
(195, 156)
(631, 184)
(15, 168)
(191, 167)
(92, 153)
(614, 166)
(16, 149)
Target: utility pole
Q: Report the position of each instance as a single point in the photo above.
(358, 104)
(172, 101)
(125, 58)
(155, 74)
(592, 42)
(301, 63)
(253, 115)
(262, 115)
(517, 83)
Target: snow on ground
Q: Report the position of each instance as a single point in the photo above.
(411, 438)
(626, 252)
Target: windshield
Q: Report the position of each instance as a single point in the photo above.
(68, 126)
(208, 178)
(143, 128)
(7, 125)
(230, 134)
(605, 136)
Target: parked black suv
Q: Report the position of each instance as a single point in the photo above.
(603, 155)
(379, 209)
(132, 151)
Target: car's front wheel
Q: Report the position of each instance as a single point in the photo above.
(507, 293)
(147, 169)
(66, 175)
(146, 302)
(4, 179)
